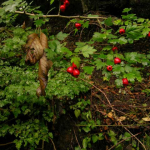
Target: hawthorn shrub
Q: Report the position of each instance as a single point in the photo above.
(27, 117)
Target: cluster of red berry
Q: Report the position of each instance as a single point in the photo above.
(65, 4)
(73, 70)
(118, 61)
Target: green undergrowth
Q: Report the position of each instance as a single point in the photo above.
(29, 119)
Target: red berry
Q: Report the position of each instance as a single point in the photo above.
(148, 34)
(62, 8)
(125, 81)
(76, 73)
(117, 60)
(115, 48)
(78, 25)
(66, 3)
(70, 70)
(74, 65)
(122, 31)
(109, 68)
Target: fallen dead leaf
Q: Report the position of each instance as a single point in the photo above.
(146, 119)
(122, 118)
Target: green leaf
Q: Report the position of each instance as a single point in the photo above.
(76, 60)
(134, 143)
(50, 54)
(87, 50)
(119, 147)
(36, 134)
(98, 122)
(127, 135)
(66, 51)
(39, 22)
(107, 74)
(86, 129)
(84, 143)
(148, 56)
(144, 62)
(134, 32)
(77, 113)
(88, 69)
(11, 131)
(18, 144)
(145, 31)
(140, 20)
(16, 112)
(119, 55)
(94, 138)
(128, 68)
(130, 40)
(30, 140)
(11, 5)
(129, 17)
(90, 15)
(108, 47)
(100, 136)
(18, 31)
(118, 22)
(102, 56)
(86, 24)
(117, 69)
(99, 37)
(113, 139)
(80, 44)
(77, 148)
(111, 133)
(113, 41)
(108, 21)
(118, 82)
(131, 57)
(110, 57)
(108, 62)
(99, 64)
(126, 10)
(51, 2)
(130, 76)
(61, 35)
(122, 40)
(50, 135)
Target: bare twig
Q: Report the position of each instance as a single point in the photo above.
(99, 23)
(76, 138)
(134, 136)
(101, 92)
(7, 144)
(53, 143)
(59, 16)
(81, 34)
(59, 8)
(43, 145)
